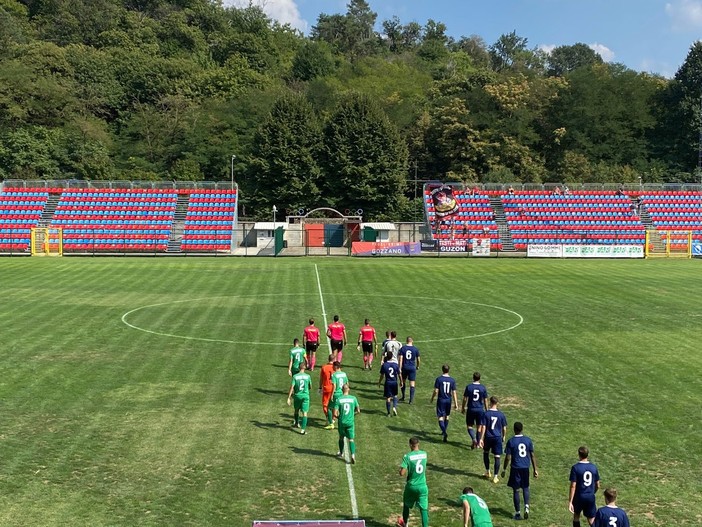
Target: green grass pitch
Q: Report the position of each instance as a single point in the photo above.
(183, 421)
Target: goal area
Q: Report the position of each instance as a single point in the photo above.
(668, 244)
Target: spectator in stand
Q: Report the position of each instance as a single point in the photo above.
(557, 191)
(566, 190)
(510, 190)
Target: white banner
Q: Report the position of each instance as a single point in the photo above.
(585, 251)
(481, 247)
(544, 250)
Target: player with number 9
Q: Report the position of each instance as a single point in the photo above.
(584, 483)
(345, 414)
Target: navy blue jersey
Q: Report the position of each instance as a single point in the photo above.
(585, 476)
(494, 422)
(519, 448)
(409, 356)
(608, 516)
(476, 394)
(446, 386)
(391, 370)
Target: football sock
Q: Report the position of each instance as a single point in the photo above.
(339, 356)
(330, 416)
(304, 422)
(471, 434)
(388, 405)
(515, 498)
(442, 425)
(526, 496)
(411, 393)
(403, 391)
(486, 460)
(313, 360)
(352, 446)
(425, 517)
(446, 423)
(576, 523)
(405, 513)
(341, 445)
(497, 465)
(297, 417)
(394, 402)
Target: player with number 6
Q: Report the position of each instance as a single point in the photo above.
(416, 493)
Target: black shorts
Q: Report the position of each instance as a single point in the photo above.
(518, 478)
(337, 345)
(311, 347)
(367, 347)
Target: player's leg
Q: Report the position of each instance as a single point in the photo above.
(498, 458)
(527, 496)
(423, 504)
(487, 446)
(305, 408)
(312, 360)
(296, 412)
(446, 421)
(351, 436)
(403, 380)
(577, 509)
(341, 441)
(412, 377)
(393, 390)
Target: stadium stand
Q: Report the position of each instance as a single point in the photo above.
(540, 217)
(475, 219)
(123, 220)
(678, 211)
(20, 211)
(209, 221)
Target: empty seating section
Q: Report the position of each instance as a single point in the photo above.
(20, 211)
(540, 217)
(209, 221)
(115, 219)
(475, 219)
(675, 211)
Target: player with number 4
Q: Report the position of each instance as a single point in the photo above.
(584, 483)
(519, 456)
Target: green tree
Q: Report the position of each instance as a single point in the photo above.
(313, 59)
(564, 59)
(364, 159)
(285, 156)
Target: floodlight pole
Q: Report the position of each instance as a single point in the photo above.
(275, 210)
(232, 170)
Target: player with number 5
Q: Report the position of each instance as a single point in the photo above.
(584, 483)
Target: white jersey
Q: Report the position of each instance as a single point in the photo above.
(393, 346)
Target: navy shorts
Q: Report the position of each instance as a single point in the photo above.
(494, 444)
(390, 390)
(587, 506)
(518, 478)
(443, 408)
(337, 345)
(473, 418)
(367, 347)
(409, 375)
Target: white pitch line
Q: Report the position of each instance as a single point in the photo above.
(347, 449)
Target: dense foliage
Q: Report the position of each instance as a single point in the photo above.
(156, 89)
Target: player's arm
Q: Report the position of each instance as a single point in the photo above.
(533, 463)
(455, 399)
(571, 495)
(358, 345)
(402, 359)
(418, 359)
(344, 336)
(464, 403)
(434, 394)
(290, 392)
(290, 367)
(466, 514)
(504, 433)
(304, 339)
(508, 457)
(380, 379)
(329, 333)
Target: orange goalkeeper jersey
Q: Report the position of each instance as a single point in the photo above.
(325, 377)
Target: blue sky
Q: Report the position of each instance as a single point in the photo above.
(645, 35)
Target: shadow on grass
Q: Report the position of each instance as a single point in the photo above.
(271, 392)
(312, 452)
(268, 426)
(452, 471)
(312, 422)
(280, 366)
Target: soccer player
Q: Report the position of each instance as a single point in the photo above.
(392, 345)
(336, 332)
(610, 515)
(346, 417)
(310, 340)
(584, 483)
(300, 386)
(326, 388)
(409, 364)
(520, 450)
(414, 466)
(493, 429)
(297, 357)
(475, 510)
(368, 340)
(475, 397)
(339, 379)
(390, 370)
(444, 391)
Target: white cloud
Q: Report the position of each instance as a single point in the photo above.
(606, 53)
(685, 15)
(547, 48)
(284, 11)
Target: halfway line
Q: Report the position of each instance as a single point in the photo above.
(347, 450)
